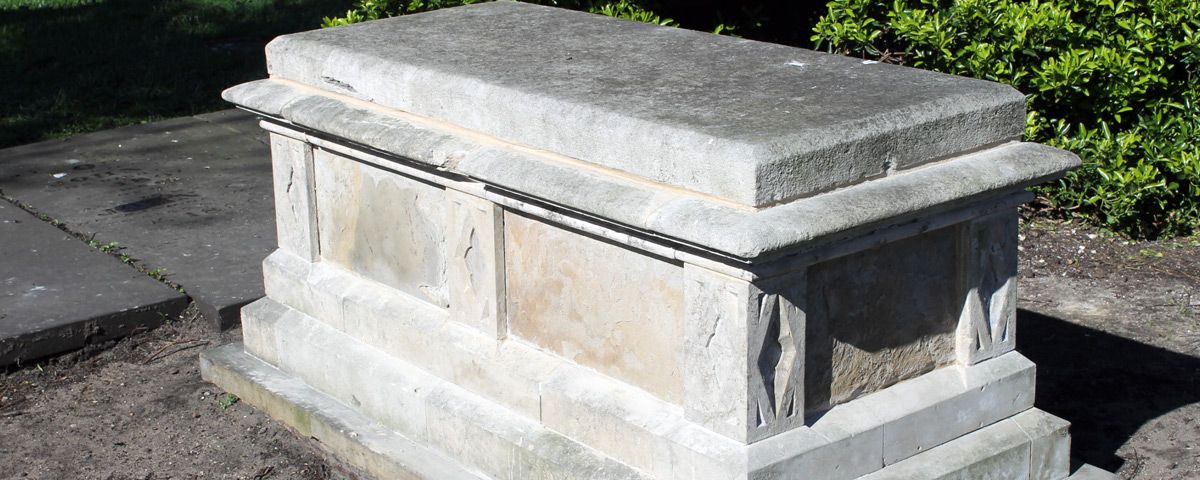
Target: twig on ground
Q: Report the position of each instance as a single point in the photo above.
(264, 472)
(1175, 273)
(158, 354)
(1138, 463)
(12, 414)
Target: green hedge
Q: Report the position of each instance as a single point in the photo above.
(1116, 82)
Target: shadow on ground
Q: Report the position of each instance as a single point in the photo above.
(1107, 386)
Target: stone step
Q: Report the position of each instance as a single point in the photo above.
(1032, 445)
(1089, 472)
(413, 404)
(351, 437)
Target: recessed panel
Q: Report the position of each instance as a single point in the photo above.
(597, 304)
(382, 225)
(881, 316)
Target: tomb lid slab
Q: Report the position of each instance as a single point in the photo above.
(751, 123)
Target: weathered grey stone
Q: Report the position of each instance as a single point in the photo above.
(634, 427)
(1000, 451)
(1050, 444)
(973, 398)
(744, 353)
(801, 121)
(426, 409)
(1088, 472)
(808, 452)
(387, 227)
(514, 382)
(717, 352)
(670, 214)
(57, 294)
(735, 276)
(295, 219)
(475, 263)
(987, 327)
(190, 196)
(881, 316)
(340, 430)
(597, 304)
(409, 329)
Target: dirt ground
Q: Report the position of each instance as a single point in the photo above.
(1114, 326)
(138, 409)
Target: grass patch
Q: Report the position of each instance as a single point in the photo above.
(75, 66)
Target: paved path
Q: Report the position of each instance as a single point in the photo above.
(190, 196)
(58, 294)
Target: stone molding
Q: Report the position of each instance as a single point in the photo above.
(702, 223)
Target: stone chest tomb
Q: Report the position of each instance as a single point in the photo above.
(522, 242)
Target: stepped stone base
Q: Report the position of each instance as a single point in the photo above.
(403, 422)
(1088, 472)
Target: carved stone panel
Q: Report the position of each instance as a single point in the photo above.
(295, 208)
(475, 263)
(744, 354)
(777, 337)
(987, 324)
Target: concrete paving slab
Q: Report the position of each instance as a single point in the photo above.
(190, 195)
(57, 294)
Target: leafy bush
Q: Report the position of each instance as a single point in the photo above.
(1117, 82)
(376, 9)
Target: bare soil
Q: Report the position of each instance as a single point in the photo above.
(138, 409)
(1114, 326)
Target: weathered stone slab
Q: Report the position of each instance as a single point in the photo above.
(387, 227)
(1089, 472)
(624, 421)
(1000, 451)
(364, 444)
(1050, 444)
(598, 304)
(880, 316)
(483, 435)
(295, 188)
(989, 313)
(801, 122)
(57, 294)
(191, 196)
(475, 263)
